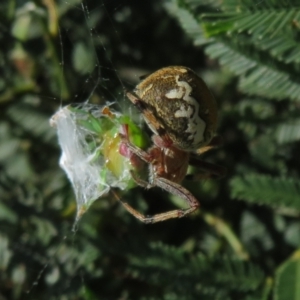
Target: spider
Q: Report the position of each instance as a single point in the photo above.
(182, 113)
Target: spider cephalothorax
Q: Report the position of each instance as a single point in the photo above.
(182, 113)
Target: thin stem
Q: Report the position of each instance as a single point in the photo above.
(224, 229)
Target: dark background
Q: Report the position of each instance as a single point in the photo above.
(95, 50)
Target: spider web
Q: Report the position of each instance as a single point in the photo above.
(86, 74)
(85, 168)
(101, 80)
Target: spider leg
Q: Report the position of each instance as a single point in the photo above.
(178, 213)
(209, 170)
(147, 111)
(143, 183)
(143, 155)
(174, 189)
(136, 101)
(216, 141)
(177, 190)
(171, 187)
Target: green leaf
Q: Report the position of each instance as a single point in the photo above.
(261, 189)
(287, 279)
(7, 214)
(288, 132)
(257, 76)
(31, 120)
(264, 22)
(214, 276)
(83, 59)
(188, 22)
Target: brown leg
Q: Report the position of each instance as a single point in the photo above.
(216, 141)
(209, 170)
(140, 182)
(143, 155)
(174, 189)
(147, 113)
(136, 101)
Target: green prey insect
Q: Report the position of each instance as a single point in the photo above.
(90, 139)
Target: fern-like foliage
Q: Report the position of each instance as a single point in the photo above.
(32, 121)
(208, 277)
(288, 132)
(188, 22)
(261, 189)
(259, 42)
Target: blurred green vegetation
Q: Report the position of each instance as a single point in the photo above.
(59, 52)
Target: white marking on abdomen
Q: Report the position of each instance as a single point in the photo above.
(196, 126)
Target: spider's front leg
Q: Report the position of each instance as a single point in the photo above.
(148, 113)
(127, 149)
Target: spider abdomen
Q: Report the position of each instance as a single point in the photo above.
(181, 107)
